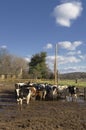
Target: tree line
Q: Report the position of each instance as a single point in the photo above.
(74, 75)
(37, 68)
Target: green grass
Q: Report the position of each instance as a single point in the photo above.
(80, 82)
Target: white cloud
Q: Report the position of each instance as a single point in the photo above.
(69, 45)
(50, 62)
(3, 47)
(68, 59)
(48, 46)
(61, 60)
(50, 59)
(83, 57)
(74, 52)
(66, 12)
(76, 44)
(68, 69)
(73, 69)
(28, 58)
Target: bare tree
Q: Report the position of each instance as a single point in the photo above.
(10, 64)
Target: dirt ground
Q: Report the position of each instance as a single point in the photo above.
(40, 115)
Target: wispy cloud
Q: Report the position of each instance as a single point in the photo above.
(73, 69)
(68, 59)
(66, 12)
(62, 60)
(83, 57)
(48, 46)
(72, 57)
(74, 52)
(69, 45)
(28, 58)
(3, 47)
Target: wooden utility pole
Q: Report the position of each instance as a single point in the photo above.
(55, 65)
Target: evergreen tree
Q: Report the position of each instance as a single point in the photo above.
(38, 67)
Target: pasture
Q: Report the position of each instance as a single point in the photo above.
(39, 115)
(80, 82)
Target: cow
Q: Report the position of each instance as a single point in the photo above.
(40, 91)
(51, 92)
(61, 90)
(46, 91)
(24, 92)
(72, 92)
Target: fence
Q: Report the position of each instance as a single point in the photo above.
(8, 76)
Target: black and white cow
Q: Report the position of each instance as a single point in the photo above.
(24, 92)
(46, 91)
(40, 91)
(61, 90)
(51, 92)
(72, 92)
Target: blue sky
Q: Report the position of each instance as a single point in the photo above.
(28, 27)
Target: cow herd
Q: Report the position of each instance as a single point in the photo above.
(43, 91)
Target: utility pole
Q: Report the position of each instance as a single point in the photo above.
(55, 66)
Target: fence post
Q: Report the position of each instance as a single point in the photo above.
(85, 93)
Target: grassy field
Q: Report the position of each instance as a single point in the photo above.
(80, 82)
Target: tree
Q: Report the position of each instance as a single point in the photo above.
(38, 67)
(10, 64)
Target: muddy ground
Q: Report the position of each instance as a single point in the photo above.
(40, 115)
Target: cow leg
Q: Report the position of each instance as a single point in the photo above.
(69, 98)
(20, 100)
(72, 97)
(44, 94)
(28, 98)
(75, 97)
